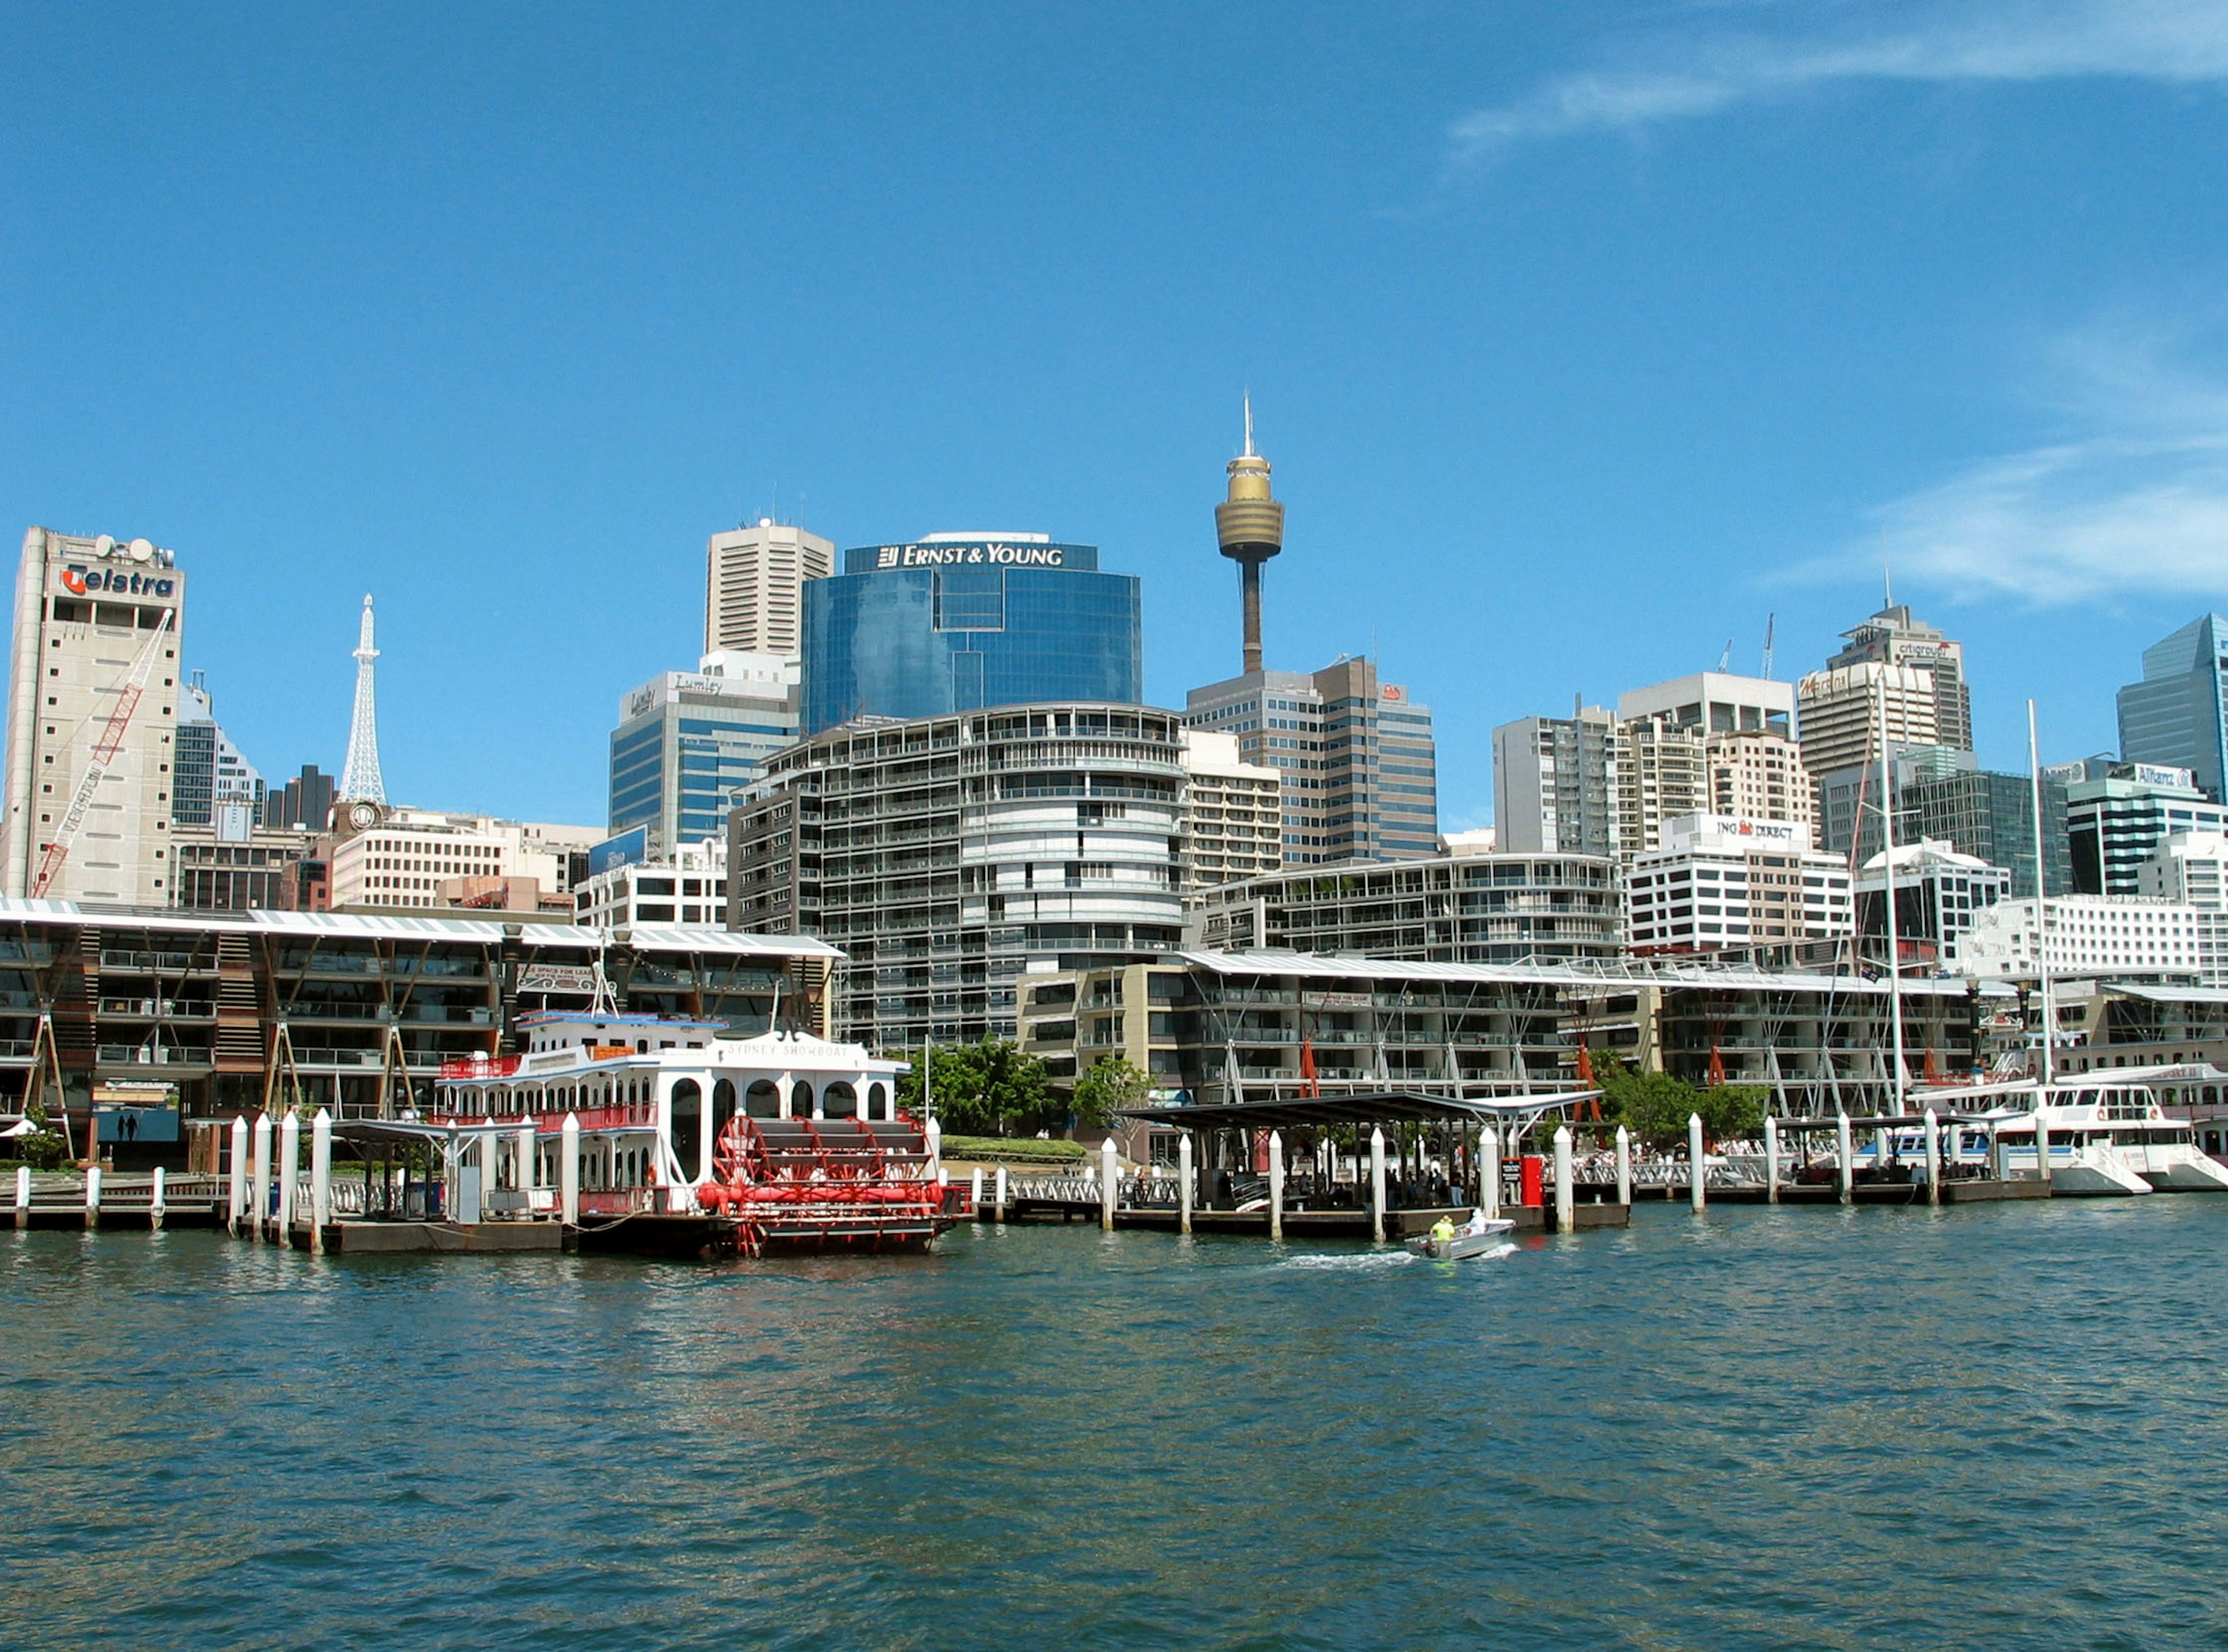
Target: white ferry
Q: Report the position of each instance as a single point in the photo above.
(2108, 1132)
(798, 1141)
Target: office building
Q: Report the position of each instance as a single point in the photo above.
(213, 776)
(688, 887)
(2118, 936)
(264, 869)
(303, 804)
(2116, 820)
(1841, 710)
(424, 860)
(1474, 908)
(1718, 881)
(754, 587)
(2173, 717)
(1357, 756)
(958, 622)
(1938, 893)
(1232, 824)
(690, 743)
(86, 612)
(1892, 637)
(947, 856)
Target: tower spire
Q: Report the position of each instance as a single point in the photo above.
(360, 777)
(1251, 526)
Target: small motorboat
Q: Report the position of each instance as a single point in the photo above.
(1474, 1238)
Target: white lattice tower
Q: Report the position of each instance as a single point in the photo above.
(360, 777)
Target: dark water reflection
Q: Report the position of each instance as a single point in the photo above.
(1974, 1427)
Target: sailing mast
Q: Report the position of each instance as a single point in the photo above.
(1887, 862)
(2041, 905)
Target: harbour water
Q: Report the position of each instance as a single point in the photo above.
(1989, 1426)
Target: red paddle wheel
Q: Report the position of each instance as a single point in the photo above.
(828, 1184)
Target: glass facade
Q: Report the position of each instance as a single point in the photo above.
(688, 742)
(954, 624)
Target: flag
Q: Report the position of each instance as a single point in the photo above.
(1308, 1085)
(1717, 1067)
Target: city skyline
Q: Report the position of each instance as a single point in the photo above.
(1564, 386)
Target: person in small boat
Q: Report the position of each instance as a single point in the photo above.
(1443, 1231)
(1475, 1223)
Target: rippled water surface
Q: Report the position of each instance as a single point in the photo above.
(1980, 1426)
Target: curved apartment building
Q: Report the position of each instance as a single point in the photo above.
(950, 856)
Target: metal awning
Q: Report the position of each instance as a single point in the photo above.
(1384, 1107)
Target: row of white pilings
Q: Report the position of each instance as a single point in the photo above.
(248, 1201)
(158, 1198)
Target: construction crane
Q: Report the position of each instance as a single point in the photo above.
(112, 741)
(1771, 625)
(1725, 659)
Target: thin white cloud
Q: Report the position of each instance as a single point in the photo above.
(2137, 500)
(2176, 41)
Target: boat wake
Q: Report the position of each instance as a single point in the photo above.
(1324, 1263)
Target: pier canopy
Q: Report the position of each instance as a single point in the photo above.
(1377, 1107)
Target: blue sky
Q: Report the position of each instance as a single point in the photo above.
(1582, 336)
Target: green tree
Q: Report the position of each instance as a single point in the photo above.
(1730, 1112)
(1113, 1086)
(1654, 1106)
(41, 1148)
(993, 1088)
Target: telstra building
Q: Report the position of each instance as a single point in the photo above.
(959, 621)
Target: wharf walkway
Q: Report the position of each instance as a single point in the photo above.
(99, 1197)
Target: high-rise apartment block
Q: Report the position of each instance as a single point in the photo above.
(1842, 714)
(947, 856)
(754, 587)
(690, 743)
(1357, 757)
(2174, 716)
(1232, 818)
(1601, 784)
(85, 611)
(958, 622)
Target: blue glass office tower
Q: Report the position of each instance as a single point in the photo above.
(956, 622)
(2175, 716)
(688, 742)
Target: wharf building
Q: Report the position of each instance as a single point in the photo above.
(224, 1010)
(1226, 1027)
(1819, 1042)
(2118, 814)
(1595, 782)
(2175, 718)
(949, 856)
(2107, 1024)
(1459, 908)
(422, 859)
(1720, 881)
(754, 579)
(86, 610)
(1938, 895)
(960, 622)
(1357, 755)
(624, 889)
(688, 744)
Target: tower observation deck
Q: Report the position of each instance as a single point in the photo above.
(1251, 527)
